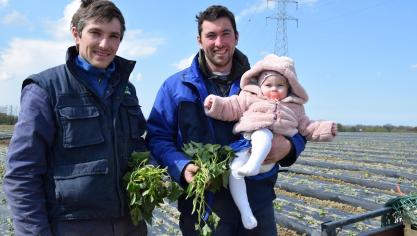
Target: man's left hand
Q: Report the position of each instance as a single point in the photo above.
(279, 149)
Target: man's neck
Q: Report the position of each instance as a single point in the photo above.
(220, 73)
(225, 70)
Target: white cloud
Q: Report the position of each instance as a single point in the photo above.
(133, 46)
(310, 2)
(136, 45)
(26, 56)
(414, 66)
(258, 7)
(138, 76)
(262, 5)
(15, 18)
(184, 63)
(3, 3)
(61, 29)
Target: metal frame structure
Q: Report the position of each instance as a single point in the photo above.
(331, 228)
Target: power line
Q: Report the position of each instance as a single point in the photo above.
(281, 39)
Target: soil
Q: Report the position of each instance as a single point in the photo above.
(324, 203)
(4, 141)
(286, 232)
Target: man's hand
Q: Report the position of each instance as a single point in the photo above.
(279, 149)
(208, 103)
(189, 172)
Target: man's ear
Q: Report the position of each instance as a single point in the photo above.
(199, 41)
(75, 34)
(237, 38)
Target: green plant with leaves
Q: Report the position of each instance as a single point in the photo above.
(405, 210)
(213, 161)
(147, 186)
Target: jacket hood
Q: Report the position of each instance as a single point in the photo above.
(284, 66)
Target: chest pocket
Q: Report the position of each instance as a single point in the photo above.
(133, 121)
(80, 126)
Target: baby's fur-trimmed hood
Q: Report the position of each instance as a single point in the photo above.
(284, 66)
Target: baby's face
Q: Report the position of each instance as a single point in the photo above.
(275, 87)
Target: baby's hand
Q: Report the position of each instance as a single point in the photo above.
(208, 103)
(334, 129)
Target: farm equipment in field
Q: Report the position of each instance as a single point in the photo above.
(398, 217)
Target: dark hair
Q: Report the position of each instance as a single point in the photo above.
(98, 9)
(213, 13)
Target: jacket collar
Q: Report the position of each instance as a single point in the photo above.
(199, 69)
(123, 68)
(239, 66)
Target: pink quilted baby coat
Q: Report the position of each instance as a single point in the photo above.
(244, 107)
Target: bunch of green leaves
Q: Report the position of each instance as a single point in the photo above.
(213, 161)
(147, 186)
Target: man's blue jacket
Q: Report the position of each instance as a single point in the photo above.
(178, 117)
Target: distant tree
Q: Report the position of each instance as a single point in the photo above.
(7, 119)
(8, 114)
(340, 128)
(375, 128)
(388, 127)
(413, 129)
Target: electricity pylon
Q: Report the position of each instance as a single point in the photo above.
(281, 39)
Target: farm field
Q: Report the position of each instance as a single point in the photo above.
(355, 173)
(358, 172)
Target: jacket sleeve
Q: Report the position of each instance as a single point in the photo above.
(26, 163)
(316, 131)
(225, 108)
(161, 137)
(298, 143)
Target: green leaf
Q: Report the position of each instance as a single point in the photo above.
(213, 160)
(206, 230)
(147, 186)
(133, 199)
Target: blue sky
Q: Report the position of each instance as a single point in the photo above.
(356, 59)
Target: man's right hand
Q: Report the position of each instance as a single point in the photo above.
(208, 102)
(189, 172)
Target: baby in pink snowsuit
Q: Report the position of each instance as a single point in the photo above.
(271, 86)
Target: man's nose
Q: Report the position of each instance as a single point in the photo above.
(103, 42)
(219, 41)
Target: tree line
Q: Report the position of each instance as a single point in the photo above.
(6, 119)
(375, 128)
(8, 116)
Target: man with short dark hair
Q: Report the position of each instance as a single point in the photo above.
(178, 117)
(78, 125)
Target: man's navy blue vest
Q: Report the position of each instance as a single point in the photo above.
(93, 141)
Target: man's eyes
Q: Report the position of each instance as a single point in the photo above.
(213, 36)
(94, 33)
